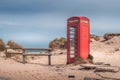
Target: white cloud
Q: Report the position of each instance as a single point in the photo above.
(42, 20)
(30, 37)
(8, 23)
(49, 21)
(102, 25)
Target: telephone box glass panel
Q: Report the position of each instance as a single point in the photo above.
(73, 47)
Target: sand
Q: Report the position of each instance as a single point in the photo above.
(39, 69)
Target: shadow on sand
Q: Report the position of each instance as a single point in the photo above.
(2, 78)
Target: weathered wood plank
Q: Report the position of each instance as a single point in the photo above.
(31, 48)
(31, 54)
(37, 48)
(14, 53)
(49, 59)
(100, 68)
(107, 69)
(36, 54)
(89, 66)
(24, 57)
(89, 78)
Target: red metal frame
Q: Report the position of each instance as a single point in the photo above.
(82, 25)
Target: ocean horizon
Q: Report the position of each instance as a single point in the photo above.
(34, 50)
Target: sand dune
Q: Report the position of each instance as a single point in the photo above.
(103, 51)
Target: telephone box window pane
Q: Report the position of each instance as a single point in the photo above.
(72, 41)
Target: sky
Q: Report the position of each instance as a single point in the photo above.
(34, 23)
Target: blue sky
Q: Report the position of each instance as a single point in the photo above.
(34, 23)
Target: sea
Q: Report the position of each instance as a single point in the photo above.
(34, 50)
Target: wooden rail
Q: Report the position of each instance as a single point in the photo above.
(23, 53)
(47, 49)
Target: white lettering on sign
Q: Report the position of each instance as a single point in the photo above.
(84, 21)
(72, 21)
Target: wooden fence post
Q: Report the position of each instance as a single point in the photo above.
(5, 50)
(49, 59)
(24, 57)
(6, 55)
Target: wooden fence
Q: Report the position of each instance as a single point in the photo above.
(24, 54)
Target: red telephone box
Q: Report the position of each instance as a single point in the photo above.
(78, 38)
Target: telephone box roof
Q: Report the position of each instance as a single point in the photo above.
(78, 17)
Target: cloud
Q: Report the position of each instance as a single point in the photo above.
(60, 6)
(33, 20)
(30, 37)
(7, 23)
(36, 20)
(35, 30)
(102, 25)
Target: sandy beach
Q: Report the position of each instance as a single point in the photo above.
(39, 69)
